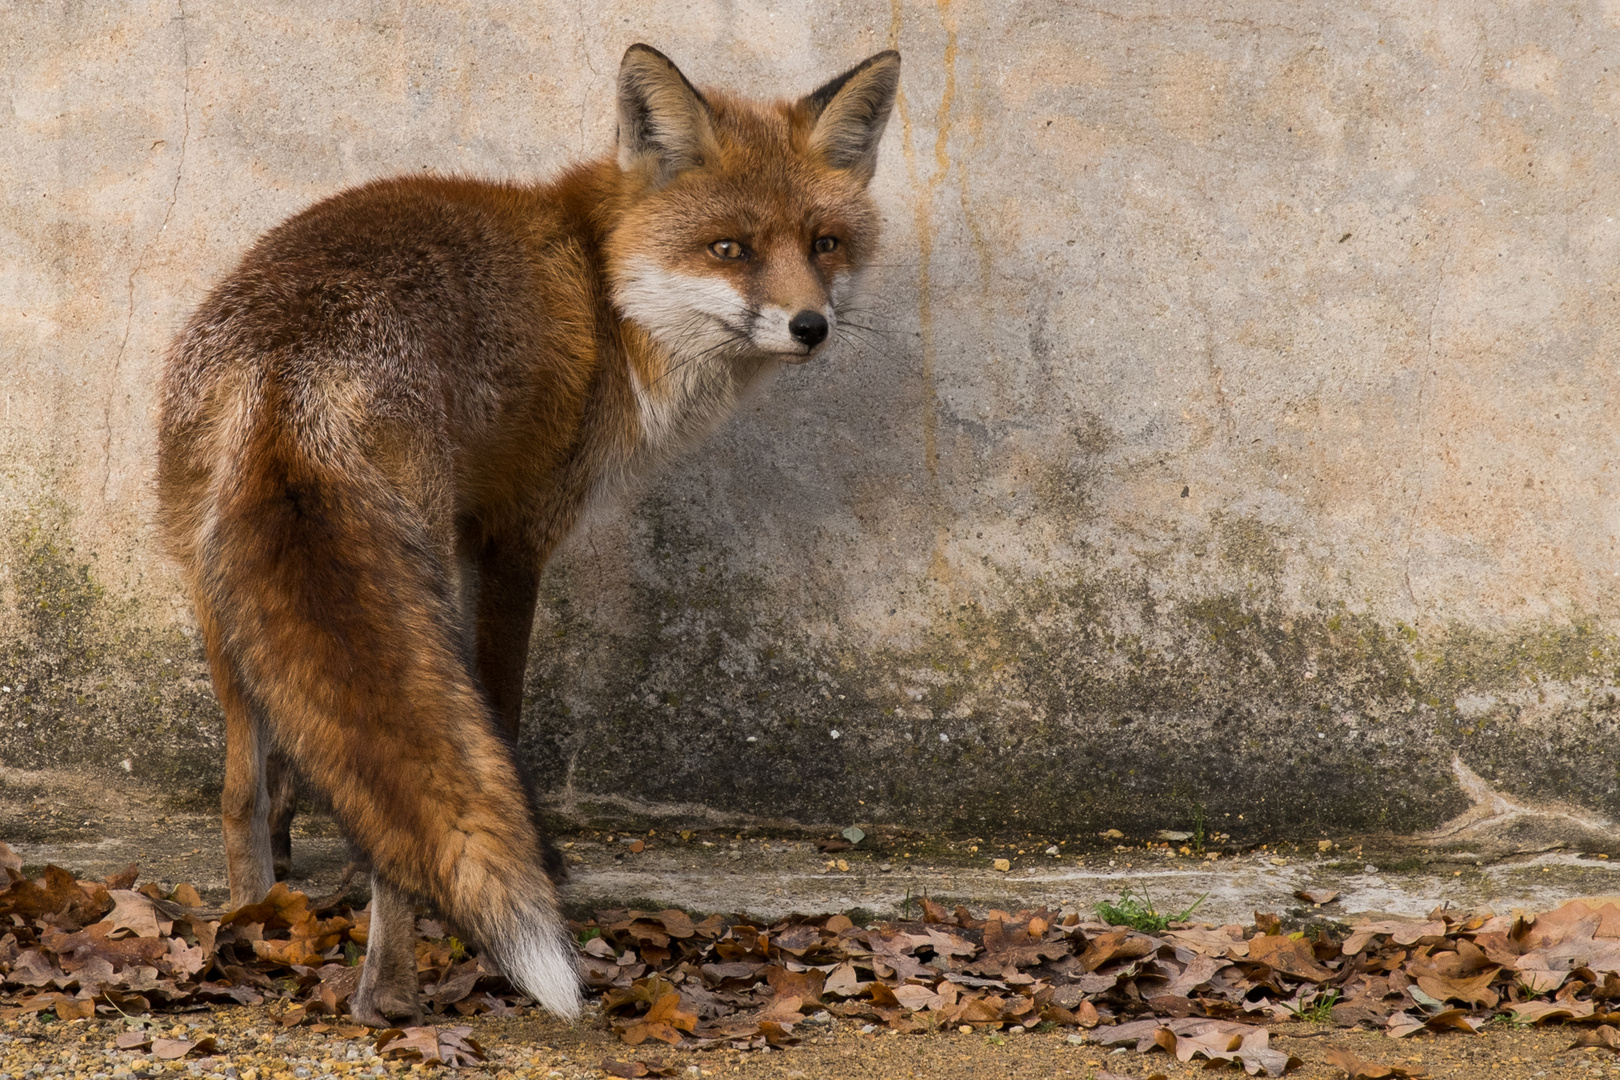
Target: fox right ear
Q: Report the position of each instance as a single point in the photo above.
(663, 121)
(851, 112)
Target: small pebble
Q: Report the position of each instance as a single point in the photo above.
(1016, 1029)
(867, 1029)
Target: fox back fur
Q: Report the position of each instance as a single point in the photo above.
(378, 427)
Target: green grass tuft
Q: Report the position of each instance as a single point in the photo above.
(1137, 911)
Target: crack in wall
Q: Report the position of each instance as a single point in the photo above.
(140, 262)
(1421, 456)
(590, 89)
(1492, 811)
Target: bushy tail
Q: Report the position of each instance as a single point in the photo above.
(339, 615)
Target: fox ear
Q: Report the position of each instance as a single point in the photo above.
(663, 120)
(850, 113)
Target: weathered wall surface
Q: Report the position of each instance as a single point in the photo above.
(1233, 430)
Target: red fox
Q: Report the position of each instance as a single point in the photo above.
(377, 428)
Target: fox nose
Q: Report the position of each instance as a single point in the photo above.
(808, 328)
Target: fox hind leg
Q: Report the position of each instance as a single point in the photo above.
(245, 804)
(282, 781)
(249, 864)
(388, 990)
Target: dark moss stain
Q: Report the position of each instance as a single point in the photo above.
(1081, 705)
(1545, 706)
(1250, 545)
(1085, 700)
(1063, 487)
(1093, 437)
(91, 679)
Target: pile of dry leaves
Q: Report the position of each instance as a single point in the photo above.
(79, 948)
(83, 948)
(688, 983)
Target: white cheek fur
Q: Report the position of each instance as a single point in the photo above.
(685, 313)
(702, 325)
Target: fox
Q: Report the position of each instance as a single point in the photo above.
(376, 429)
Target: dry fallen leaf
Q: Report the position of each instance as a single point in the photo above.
(175, 1049)
(1289, 955)
(1604, 1037)
(454, 1047)
(633, 1069)
(1355, 1068)
(135, 914)
(664, 1021)
(1540, 1012)
(1537, 981)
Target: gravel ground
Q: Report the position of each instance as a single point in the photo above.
(251, 1045)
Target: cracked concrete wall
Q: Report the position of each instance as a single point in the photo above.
(1231, 435)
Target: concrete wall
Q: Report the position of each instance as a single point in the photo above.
(1234, 433)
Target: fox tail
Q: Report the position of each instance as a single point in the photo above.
(339, 616)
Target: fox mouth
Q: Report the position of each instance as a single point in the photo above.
(802, 355)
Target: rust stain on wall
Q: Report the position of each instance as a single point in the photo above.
(964, 168)
(922, 211)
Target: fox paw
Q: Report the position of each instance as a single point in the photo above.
(386, 1006)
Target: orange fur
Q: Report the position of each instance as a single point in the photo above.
(376, 430)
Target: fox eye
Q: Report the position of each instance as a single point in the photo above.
(727, 249)
(826, 244)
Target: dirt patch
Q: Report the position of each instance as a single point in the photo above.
(251, 1045)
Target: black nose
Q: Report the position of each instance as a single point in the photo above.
(808, 328)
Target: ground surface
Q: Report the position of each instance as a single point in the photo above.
(99, 827)
(251, 1046)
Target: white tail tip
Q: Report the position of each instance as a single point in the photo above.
(538, 957)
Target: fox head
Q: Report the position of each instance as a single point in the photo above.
(743, 225)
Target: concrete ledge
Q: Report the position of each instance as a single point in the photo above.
(769, 872)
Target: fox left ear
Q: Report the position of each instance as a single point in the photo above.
(850, 113)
